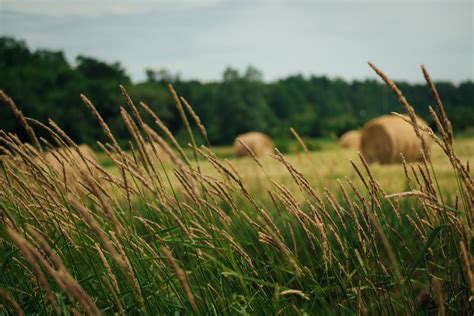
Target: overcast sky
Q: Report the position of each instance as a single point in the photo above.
(200, 38)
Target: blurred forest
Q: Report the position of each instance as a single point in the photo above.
(45, 85)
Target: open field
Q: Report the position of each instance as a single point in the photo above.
(207, 235)
(323, 168)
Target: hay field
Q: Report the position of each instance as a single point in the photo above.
(324, 168)
(205, 235)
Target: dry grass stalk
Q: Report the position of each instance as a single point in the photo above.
(467, 261)
(112, 179)
(132, 106)
(114, 290)
(220, 189)
(64, 137)
(336, 207)
(268, 218)
(45, 247)
(107, 267)
(444, 134)
(11, 302)
(361, 261)
(352, 212)
(181, 277)
(256, 145)
(37, 272)
(230, 175)
(300, 179)
(339, 242)
(167, 132)
(108, 211)
(136, 136)
(55, 136)
(197, 120)
(78, 292)
(294, 209)
(125, 182)
(21, 118)
(129, 272)
(439, 297)
(155, 138)
(127, 166)
(324, 243)
(408, 108)
(180, 109)
(65, 281)
(434, 92)
(358, 294)
(295, 292)
(374, 189)
(68, 162)
(86, 216)
(102, 123)
(415, 226)
(414, 193)
(361, 177)
(387, 246)
(223, 217)
(405, 170)
(188, 188)
(178, 221)
(250, 152)
(184, 119)
(300, 141)
(158, 155)
(237, 248)
(285, 251)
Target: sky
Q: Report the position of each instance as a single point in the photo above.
(200, 38)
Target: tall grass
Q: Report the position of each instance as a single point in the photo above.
(150, 240)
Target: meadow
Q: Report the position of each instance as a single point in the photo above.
(314, 232)
(324, 168)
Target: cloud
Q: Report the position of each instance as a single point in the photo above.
(99, 8)
(201, 39)
(88, 8)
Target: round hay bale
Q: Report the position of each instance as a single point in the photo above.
(259, 143)
(156, 153)
(350, 140)
(383, 140)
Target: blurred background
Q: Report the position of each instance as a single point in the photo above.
(243, 65)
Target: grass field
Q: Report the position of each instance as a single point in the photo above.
(207, 235)
(323, 169)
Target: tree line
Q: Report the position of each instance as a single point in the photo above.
(45, 85)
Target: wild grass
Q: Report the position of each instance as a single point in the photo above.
(281, 235)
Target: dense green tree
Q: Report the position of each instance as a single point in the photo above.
(45, 85)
